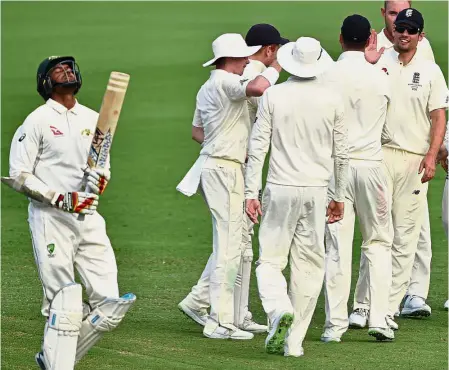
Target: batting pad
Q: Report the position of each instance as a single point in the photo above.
(106, 316)
(64, 323)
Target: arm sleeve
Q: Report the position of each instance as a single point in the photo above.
(438, 98)
(197, 118)
(23, 155)
(234, 87)
(341, 158)
(259, 144)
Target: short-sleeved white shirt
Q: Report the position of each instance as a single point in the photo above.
(417, 89)
(424, 50)
(222, 111)
(53, 144)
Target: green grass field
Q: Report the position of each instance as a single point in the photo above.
(162, 240)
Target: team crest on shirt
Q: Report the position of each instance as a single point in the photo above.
(415, 81)
(51, 250)
(56, 131)
(86, 132)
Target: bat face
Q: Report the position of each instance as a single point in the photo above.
(108, 119)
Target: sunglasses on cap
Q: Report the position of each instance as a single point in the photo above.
(410, 30)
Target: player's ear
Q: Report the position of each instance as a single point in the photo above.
(383, 12)
(421, 36)
(341, 40)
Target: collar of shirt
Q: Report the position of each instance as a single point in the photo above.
(257, 63)
(60, 108)
(352, 55)
(395, 56)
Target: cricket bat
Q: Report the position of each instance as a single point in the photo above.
(107, 121)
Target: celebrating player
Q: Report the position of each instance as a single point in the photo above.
(48, 154)
(416, 120)
(302, 120)
(221, 116)
(366, 93)
(415, 302)
(268, 39)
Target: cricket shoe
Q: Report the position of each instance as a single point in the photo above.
(199, 316)
(381, 333)
(328, 338)
(226, 332)
(276, 337)
(415, 306)
(289, 353)
(358, 318)
(391, 323)
(446, 305)
(253, 327)
(39, 358)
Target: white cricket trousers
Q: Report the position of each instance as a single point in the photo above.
(367, 197)
(420, 278)
(223, 190)
(62, 243)
(292, 223)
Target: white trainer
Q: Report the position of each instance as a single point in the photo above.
(253, 327)
(391, 323)
(446, 305)
(416, 307)
(228, 332)
(359, 318)
(327, 339)
(289, 353)
(199, 316)
(381, 333)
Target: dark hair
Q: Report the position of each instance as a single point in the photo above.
(355, 45)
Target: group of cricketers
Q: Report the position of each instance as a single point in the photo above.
(360, 136)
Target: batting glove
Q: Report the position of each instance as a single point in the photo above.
(76, 202)
(97, 179)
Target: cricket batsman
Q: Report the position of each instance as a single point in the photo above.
(222, 114)
(48, 154)
(302, 120)
(415, 299)
(268, 38)
(416, 120)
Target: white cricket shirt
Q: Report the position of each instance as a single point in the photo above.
(365, 92)
(304, 123)
(253, 69)
(424, 50)
(416, 89)
(53, 144)
(222, 111)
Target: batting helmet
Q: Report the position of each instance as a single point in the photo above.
(44, 83)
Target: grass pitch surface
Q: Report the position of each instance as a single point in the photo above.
(162, 240)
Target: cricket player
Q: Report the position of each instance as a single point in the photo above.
(420, 278)
(416, 120)
(366, 94)
(269, 40)
(48, 154)
(221, 115)
(302, 120)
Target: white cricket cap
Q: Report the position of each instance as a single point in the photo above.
(304, 58)
(231, 45)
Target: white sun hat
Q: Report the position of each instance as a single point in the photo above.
(230, 45)
(304, 58)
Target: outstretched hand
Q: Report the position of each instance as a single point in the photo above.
(371, 54)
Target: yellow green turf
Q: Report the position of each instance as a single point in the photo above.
(162, 239)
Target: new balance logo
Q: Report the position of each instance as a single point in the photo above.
(56, 131)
